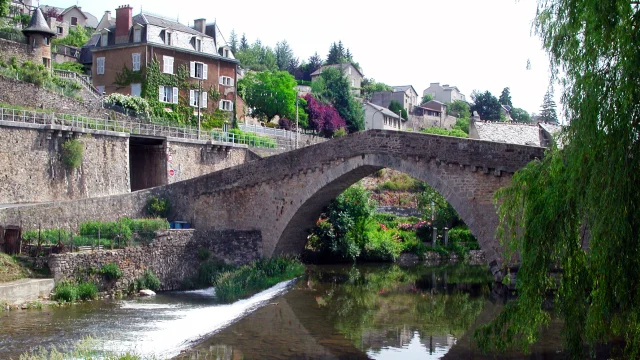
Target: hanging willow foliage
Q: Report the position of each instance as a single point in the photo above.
(585, 195)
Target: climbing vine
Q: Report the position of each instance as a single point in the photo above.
(128, 77)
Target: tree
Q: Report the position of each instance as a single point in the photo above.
(284, 55)
(244, 43)
(520, 115)
(426, 98)
(505, 98)
(51, 12)
(583, 196)
(337, 91)
(4, 8)
(370, 86)
(78, 36)
(233, 41)
(397, 108)
(548, 110)
(270, 93)
(459, 109)
(486, 105)
(315, 62)
(323, 118)
(338, 55)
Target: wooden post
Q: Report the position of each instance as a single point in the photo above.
(446, 236)
(435, 236)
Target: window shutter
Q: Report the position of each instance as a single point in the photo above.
(221, 80)
(191, 97)
(161, 94)
(205, 70)
(192, 69)
(170, 65)
(231, 81)
(204, 99)
(221, 104)
(175, 95)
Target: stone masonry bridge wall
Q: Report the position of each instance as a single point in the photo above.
(281, 196)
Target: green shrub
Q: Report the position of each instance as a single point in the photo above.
(134, 103)
(382, 246)
(111, 271)
(72, 153)
(87, 291)
(340, 133)
(69, 66)
(148, 280)
(65, 292)
(456, 132)
(402, 182)
(158, 207)
(460, 235)
(209, 272)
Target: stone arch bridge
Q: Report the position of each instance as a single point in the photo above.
(282, 196)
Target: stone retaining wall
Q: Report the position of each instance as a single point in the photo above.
(172, 256)
(22, 52)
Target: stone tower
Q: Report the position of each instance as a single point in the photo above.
(39, 37)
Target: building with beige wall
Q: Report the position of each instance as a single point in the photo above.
(378, 117)
(445, 93)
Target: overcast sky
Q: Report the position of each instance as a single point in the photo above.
(472, 44)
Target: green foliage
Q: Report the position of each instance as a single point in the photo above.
(505, 98)
(382, 245)
(370, 86)
(462, 124)
(22, 19)
(256, 57)
(69, 66)
(548, 112)
(240, 137)
(433, 205)
(72, 153)
(487, 106)
(127, 77)
(148, 280)
(459, 109)
(132, 103)
(78, 36)
(111, 271)
(259, 275)
(397, 108)
(66, 291)
(586, 193)
(401, 182)
(337, 91)
(269, 93)
(4, 8)
(158, 206)
(38, 75)
(340, 133)
(456, 132)
(520, 115)
(426, 98)
(85, 349)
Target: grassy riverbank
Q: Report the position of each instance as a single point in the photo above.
(235, 283)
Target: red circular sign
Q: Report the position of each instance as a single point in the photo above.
(171, 172)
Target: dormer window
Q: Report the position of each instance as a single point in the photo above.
(105, 39)
(167, 38)
(198, 45)
(226, 53)
(137, 35)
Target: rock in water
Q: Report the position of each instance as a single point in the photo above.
(146, 292)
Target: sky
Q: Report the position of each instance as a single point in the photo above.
(472, 44)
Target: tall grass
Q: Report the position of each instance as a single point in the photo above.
(255, 277)
(70, 292)
(87, 349)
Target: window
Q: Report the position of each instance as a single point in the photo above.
(167, 64)
(225, 105)
(74, 20)
(226, 53)
(137, 35)
(45, 40)
(100, 66)
(198, 99)
(167, 94)
(199, 70)
(353, 82)
(46, 62)
(100, 89)
(59, 30)
(167, 38)
(136, 61)
(198, 45)
(105, 39)
(136, 89)
(226, 81)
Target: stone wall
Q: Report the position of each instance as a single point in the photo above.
(22, 52)
(189, 160)
(172, 256)
(32, 168)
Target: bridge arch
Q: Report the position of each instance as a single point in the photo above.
(469, 191)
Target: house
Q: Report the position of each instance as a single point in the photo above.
(191, 66)
(352, 73)
(432, 114)
(445, 93)
(532, 134)
(73, 16)
(505, 111)
(404, 95)
(20, 7)
(378, 117)
(106, 21)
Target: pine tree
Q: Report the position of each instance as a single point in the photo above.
(233, 41)
(548, 112)
(505, 98)
(284, 54)
(334, 55)
(348, 55)
(244, 43)
(315, 62)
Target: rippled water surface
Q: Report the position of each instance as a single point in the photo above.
(333, 312)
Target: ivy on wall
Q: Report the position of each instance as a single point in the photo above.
(181, 113)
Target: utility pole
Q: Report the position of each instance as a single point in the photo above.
(199, 99)
(297, 129)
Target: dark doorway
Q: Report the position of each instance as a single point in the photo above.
(147, 162)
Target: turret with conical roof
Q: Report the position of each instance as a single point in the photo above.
(39, 36)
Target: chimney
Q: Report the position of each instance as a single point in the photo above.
(123, 23)
(200, 25)
(107, 14)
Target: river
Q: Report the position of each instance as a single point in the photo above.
(333, 312)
